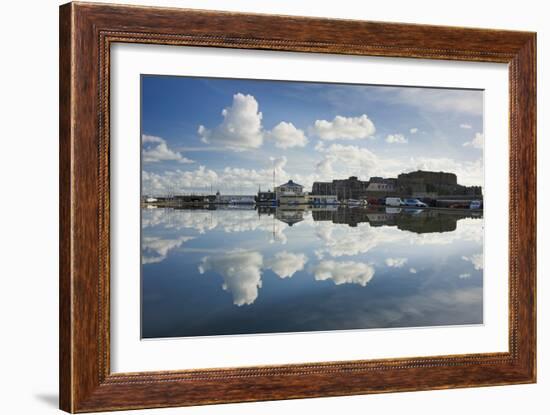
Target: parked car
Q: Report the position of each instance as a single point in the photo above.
(394, 201)
(375, 201)
(429, 201)
(475, 204)
(415, 203)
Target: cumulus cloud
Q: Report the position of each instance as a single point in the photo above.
(395, 262)
(286, 135)
(286, 264)
(336, 160)
(202, 178)
(477, 142)
(344, 128)
(156, 249)
(177, 180)
(156, 149)
(241, 128)
(324, 167)
(241, 272)
(349, 272)
(278, 163)
(412, 270)
(466, 126)
(476, 260)
(396, 139)
(413, 130)
(352, 158)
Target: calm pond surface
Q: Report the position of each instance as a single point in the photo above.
(243, 270)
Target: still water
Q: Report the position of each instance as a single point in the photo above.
(244, 270)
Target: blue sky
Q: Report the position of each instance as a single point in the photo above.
(230, 135)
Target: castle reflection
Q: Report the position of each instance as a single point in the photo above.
(407, 219)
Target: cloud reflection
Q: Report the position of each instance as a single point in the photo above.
(286, 264)
(395, 262)
(476, 260)
(155, 249)
(348, 272)
(241, 272)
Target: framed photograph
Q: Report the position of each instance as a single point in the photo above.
(258, 207)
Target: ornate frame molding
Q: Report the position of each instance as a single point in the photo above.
(86, 33)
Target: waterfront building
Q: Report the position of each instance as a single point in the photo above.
(430, 183)
(351, 188)
(379, 184)
(290, 193)
(322, 200)
(233, 199)
(414, 184)
(266, 198)
(289, 188)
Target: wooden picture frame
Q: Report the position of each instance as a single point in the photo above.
(86, 33)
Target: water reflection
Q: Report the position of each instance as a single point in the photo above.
(233, 271)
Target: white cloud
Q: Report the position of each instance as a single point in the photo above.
(395, 262)
(476, 260)
(241, 272)
(396, 139)
(350, 159)
(466, 126)
(241, 128)
(344, 128)
(286, 264)
(200, 179)
(324, 167)
(477, 142)
(177, 180)
(156, 149)
(155, 249)
(151, 139)
(465, 275)
(438, 100)
(413, 130)
(278, 163)
(337, 161)
(412, 270)
(320, 146)
(286, 135)
(349, 272)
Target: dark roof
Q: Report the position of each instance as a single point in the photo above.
(291, 183)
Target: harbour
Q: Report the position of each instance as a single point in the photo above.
(418, 189)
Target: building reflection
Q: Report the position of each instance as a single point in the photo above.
(413, 220)
(407, 219)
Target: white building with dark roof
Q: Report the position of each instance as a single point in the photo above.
(290, 193)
